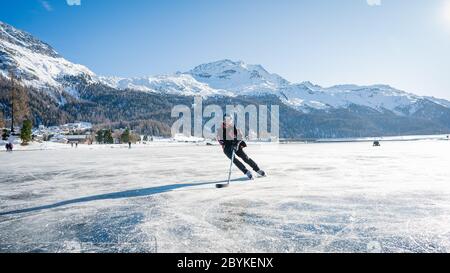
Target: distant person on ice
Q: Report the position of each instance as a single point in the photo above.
(229, 137)
(9, 147)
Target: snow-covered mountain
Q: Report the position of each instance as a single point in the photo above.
(177, 84)
(35, 62)
(40, 66)
(229, 78)
(238, 77)
(225, 78)
(378, 97)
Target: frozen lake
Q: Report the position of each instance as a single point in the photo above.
(339, 197)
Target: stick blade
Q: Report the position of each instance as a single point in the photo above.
(220, 186)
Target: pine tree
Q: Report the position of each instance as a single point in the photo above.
(100, 137)
(107, 137)
(25, 132)
(125, 137)
(5, 134)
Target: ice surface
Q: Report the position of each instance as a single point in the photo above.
(336, 197)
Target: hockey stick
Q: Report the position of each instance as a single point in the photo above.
(219, 186)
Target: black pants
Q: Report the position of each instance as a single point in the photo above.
(228, 150)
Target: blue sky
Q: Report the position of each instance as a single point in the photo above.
(404, 43)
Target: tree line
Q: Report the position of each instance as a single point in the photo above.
(17, 101)
(107, 136)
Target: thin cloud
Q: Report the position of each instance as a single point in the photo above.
(374, 2)
(73, 2)
(46, 5)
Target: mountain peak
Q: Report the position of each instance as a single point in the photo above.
(237, 76)
(219, 66)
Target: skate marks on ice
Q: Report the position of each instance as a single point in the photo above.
(105, 230)
(317, 198)
(314, 226)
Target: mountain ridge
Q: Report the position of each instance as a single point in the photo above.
(40, 66)
(75, 92)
